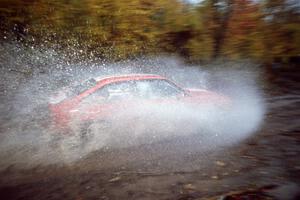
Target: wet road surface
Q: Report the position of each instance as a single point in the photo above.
(267, 161)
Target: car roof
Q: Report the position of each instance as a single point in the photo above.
(98, 82)
(127, 77)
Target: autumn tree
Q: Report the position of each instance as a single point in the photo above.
(282, 30)
(243, 34)
(119, 29)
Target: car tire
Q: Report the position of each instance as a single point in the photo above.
(89, 129)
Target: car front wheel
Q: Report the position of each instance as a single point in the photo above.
(94, 133)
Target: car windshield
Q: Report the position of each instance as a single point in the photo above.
(81, 87)
(157, 88)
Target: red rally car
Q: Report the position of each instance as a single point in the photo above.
(99, 99)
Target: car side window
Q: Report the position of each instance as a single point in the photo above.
(126, 90)
(121, 90)
(112, 92)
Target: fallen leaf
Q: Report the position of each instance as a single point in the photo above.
(220, 163)
(115, 179)
(189, 187)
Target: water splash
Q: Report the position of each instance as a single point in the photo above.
(31, 75)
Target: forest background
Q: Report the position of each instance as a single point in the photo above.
(266, 31)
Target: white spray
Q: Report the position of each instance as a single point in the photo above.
(27, 138)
